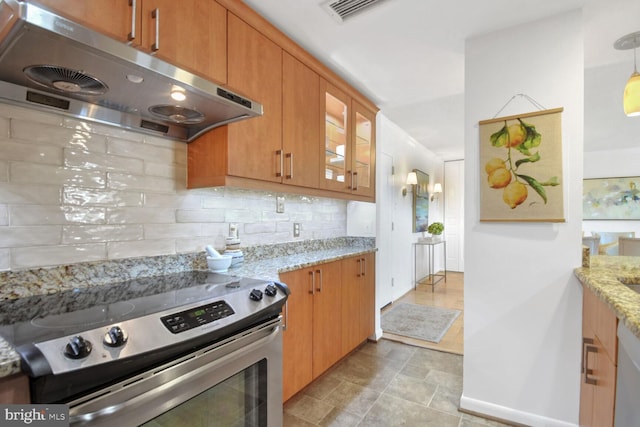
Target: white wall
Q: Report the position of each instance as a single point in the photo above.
(394, 240)
(522, 303)
(72, 191)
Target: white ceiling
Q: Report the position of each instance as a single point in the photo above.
(407, 56)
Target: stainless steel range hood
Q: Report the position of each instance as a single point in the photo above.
(51, 63)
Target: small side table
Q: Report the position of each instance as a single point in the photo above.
(430, 257)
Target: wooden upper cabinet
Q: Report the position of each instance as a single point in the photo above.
(300, 126)
(363, 150)
(114, 18)
(348, 152)
(335, 110)
(189, 34)
(255, 70)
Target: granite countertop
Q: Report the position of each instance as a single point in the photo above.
(261, 267)
(606, 278)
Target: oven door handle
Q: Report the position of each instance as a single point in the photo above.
(131, 403)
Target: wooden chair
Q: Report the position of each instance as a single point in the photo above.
(629, 246)
(609, 241)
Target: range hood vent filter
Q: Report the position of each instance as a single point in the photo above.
(341, 10)
(66, 80)
(176, 114)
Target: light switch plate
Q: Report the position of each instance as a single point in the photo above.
(296, 229)
(280, 204)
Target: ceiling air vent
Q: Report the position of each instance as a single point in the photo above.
(341, 10)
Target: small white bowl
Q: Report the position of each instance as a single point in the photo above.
(219, 265)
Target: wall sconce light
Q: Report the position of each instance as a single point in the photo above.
(437, 189)
(632, 89)
(412, 179)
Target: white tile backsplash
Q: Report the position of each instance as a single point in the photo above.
(86, 160)
(159, 231)
(55, 136)
(148, 152)
(44, 256)
(200, 215)
(12, 150)
(4, 171)
(73, 234)
(118, 250)
(141, 215)
(42, 214)
(168, 171)
(5, 259)
(75, 191)
(4, 127)
(32, 173)
(13, 237)
(29, 194)
(98, 197)
(120, 181)
(4, 215)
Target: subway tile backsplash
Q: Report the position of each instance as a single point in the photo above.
(72, 191)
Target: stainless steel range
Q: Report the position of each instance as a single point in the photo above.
(154, 349)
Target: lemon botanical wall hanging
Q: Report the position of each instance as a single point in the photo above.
(521, 168)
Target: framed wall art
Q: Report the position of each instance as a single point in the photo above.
(521, 168)
(421, 202)
(611, 198)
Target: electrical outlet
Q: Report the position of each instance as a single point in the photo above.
(296, 229)
(280, 204)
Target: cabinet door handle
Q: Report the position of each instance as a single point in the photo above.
(587, 370)
(313, 282)
(320, 274)
(132, 34)
(280, 163)
(355, 179)
(364, 266)
(585, 341)
(286, 315)
(359, 267)
(156, 15)
(290, 157)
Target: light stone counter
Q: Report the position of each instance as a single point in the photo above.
(605, 278)
(261, 262)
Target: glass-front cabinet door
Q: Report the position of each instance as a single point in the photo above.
(336, 123)
(363, 151)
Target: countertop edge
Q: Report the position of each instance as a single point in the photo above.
(624, 302)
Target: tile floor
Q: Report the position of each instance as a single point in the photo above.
(385, 384)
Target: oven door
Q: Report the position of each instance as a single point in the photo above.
(237, 382)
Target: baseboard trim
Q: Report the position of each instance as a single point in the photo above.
(508, 415)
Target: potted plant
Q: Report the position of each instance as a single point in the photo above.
(435, 229)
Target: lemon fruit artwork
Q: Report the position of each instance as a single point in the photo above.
(508, 173)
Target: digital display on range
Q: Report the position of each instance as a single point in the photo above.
(189, 319)
(197, 313)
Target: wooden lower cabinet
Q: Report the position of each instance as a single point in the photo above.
(599, 362)
(14, 389)
(329, 313)
(312, 319)
(358, 301)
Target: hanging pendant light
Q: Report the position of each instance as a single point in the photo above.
(632, 89)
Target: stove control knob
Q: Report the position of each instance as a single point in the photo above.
(256, 295)
(271, 290)
(115, 337)
(77, 348)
